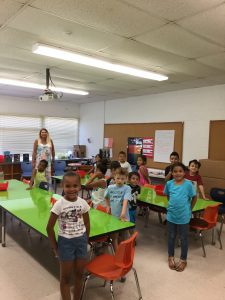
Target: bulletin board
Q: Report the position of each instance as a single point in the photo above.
(121, 132)
(217, 140)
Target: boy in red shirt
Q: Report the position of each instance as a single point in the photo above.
(193, 175)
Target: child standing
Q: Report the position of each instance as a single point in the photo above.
(113, 167)
(39, 178)
(117, 196)
(98, 160)
(193, 175)
(174, 157)
(181, 199)
(74, 226)
(98, 184)
(142, 170)
(123, 163)
(133, 179)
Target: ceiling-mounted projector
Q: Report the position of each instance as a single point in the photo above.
(50, 96)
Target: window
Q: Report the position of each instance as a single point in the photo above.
(17, 133)
(64, 133)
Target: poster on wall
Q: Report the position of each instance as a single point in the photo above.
(164, 145)
(108, 142)
(134, 149)
(148, 147)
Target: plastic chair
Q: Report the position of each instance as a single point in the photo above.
(26, 168)
(59, 167)
(208, 221)
(113, 267)
(105, 240)
(218, 195)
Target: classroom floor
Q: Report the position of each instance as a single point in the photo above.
(28, 272)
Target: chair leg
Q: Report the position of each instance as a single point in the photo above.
(137, 283)
(111, 247)
(104, 284)
(203, 247)
(84, 285)
(213, 240)
(111, 290)
(91, 252)
(220, 231)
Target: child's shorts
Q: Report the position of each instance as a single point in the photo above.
(132, 214)
(74, 248)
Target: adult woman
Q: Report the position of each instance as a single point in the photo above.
(44, 149)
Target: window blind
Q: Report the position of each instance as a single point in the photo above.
(63, 132)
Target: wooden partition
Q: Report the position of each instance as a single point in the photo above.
(121, 132)
(217, 140)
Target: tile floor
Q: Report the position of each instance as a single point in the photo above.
(28, 272)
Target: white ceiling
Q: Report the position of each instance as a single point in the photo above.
(184, 40)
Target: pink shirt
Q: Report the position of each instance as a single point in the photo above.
(143, 180)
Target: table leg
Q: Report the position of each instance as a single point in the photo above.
(3, 227)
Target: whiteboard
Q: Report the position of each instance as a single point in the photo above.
(164, 145)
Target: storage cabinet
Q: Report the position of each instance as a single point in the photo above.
(11, 170)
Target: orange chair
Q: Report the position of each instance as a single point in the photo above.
(105, 240)
(113, 267)
(208, 221)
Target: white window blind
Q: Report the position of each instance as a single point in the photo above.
(63, 132)
(17, 134)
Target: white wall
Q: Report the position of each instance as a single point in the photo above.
(194, 107)
(92, 126)
(31, 107)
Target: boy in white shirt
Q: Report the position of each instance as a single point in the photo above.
(123, 163)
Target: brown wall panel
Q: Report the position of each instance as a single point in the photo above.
(217, 140)
(121, 132)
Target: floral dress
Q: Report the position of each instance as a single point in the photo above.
(44, 151)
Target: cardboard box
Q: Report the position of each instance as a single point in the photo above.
(79, 150)
(212, 168)
(210, 183)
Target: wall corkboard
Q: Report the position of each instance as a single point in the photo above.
(217, 140)
(121, 132)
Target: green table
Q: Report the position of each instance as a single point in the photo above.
(149, 198)
(32, 207)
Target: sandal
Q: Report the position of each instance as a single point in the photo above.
(181, 265)
(171, 263)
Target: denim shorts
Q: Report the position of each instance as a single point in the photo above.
(74, 248)
(132, 213)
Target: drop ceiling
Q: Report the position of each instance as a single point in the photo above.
(184, 40)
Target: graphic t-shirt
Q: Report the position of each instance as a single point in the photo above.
(116, 195)
(135, 190)
(71, 223)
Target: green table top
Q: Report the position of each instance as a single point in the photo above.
(33, 208)
(150, 197)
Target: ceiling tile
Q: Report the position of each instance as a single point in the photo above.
(111, 16)
(209, 24)
(139, 54)
(194, 68)
(56, 31)
(174, 9)
(8, 9)
(217, 61)
(176, 40)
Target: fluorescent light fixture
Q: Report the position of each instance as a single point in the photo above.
(32, 85)
(94, 62)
